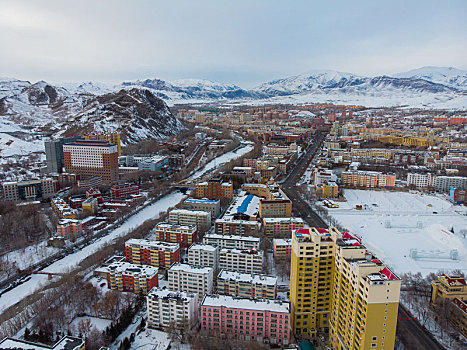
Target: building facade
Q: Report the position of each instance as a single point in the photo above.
(336, 285)
(29, 190)
(127, 277)
(123, 191)
(281, 247)
(168, 308)
(241, 260)
(200, 254)
(111, 137)
(448, 287)
(192, 279)
(215, 188)
(231, 241)
(198, 218)
(281, 227)
(92, 158)
(146, 252)
(181, 234)
(210, 205)
(246, 285)
(68, 228)
(265, 321)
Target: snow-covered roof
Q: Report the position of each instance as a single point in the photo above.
(232, 237)
(282, 242)
(250, 251)
(283, 220)
(157, 293)
(247, 277)
(189, 212)
(190, 268)
(202, 246)
(127, 268)
(202, 201)
(152, 244)
(243, 303)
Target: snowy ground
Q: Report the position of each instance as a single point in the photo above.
(393, 223)
(10, 145)
(99, 323)
(151, 339)
(69, 262)
(28, 256)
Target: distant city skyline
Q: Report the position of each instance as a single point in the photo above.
(239, 42)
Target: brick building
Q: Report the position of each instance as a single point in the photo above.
(146, 252)
(182, 234)
(246, 285)
(127, 277)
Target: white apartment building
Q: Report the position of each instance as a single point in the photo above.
(200, 254)
(191, 279)
(246, 285)
(444, 183)
(167, 308)
(421, 180)
(246, 260)
(201, 219)
(231, 241)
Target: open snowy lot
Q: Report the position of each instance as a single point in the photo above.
(394, 223)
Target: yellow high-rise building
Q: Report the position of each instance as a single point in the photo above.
(111, 137)
(337, 286)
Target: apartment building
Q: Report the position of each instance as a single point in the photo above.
(126, 277)
(369, 179)
(68, 228)
(231, 241)
(111, 137)
(181, 234)
(265, 321)
(215, 188)
(460, 315)
(274, 203)
(200, 254)
(123, 191)
(54, 154)
(246, 285)
(198, 218)
(327, 190)
(154, 253)
(231, 226)
(29, 190)
(421, 180)
(448, 287)
(62, 209)
(192, 279)
(281, 248)
(168, 308)
(241, 260)
(212, 206)
(444, 183)
(92, 158)
(281, 227)
(336, 284)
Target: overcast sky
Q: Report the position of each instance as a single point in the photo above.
(239, 41)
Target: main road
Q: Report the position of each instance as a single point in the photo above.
(300, 206)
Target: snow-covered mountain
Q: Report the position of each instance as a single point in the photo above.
(191, 89)
(448, 76)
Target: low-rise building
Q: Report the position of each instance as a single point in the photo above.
(62, 209)
(328, 190)
(127, 277)
(200, 254)
(30, 189)
(281, 227)
(210, 205)
(123, 191)
(281, 248)
(192, 279)
(257, 320)
(198, 218)
(182, 234)
(241, 260)
(66, 343)
(368, 179)
(448, 287)
(168, 308)
(231, 241)
(246, 285)
(154, 253)
(68, 228)
(215, 188)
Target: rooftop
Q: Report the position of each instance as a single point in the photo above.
(131, 269)
(202, 201)
(247, 277)
(152, 244)
(159, 293)
(232, 237)
(243, 303)
(190, 268)
(202, 246)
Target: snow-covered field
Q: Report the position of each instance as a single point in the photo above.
(69, 262)
(30, 255)
(393, 223)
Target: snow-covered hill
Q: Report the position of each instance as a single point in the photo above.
(448, 76)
